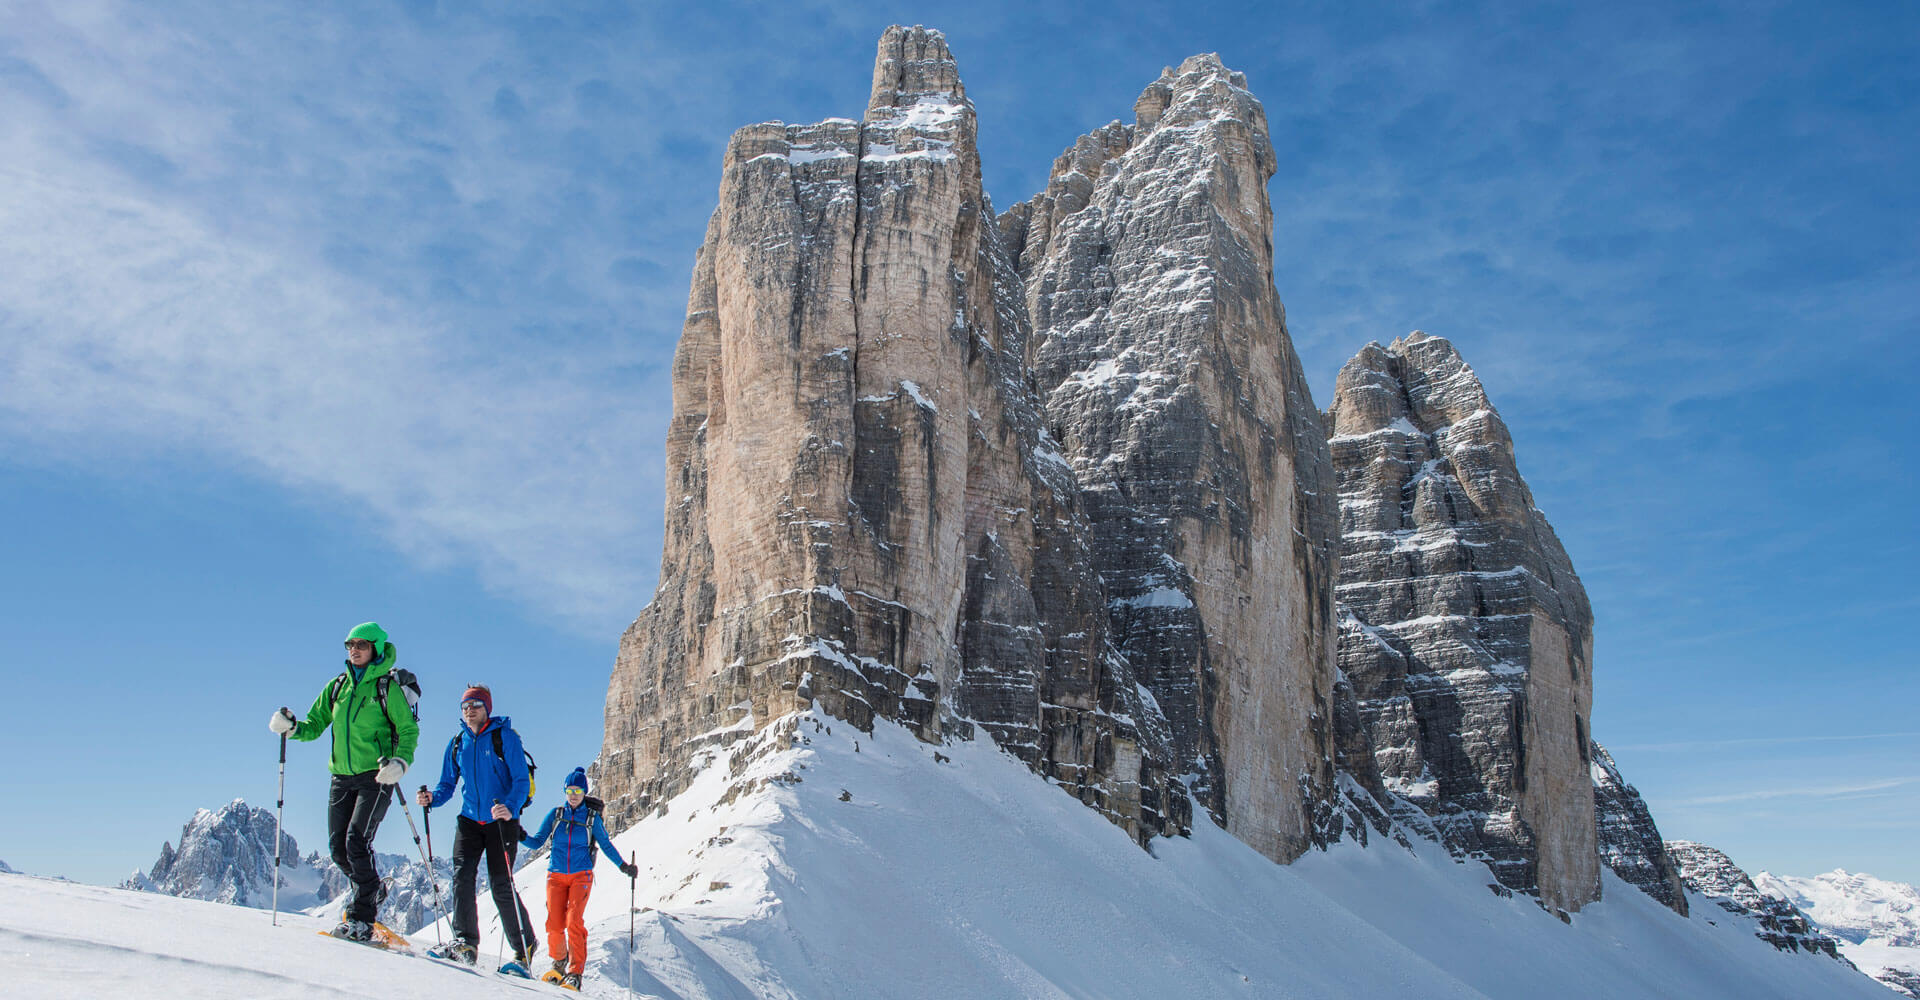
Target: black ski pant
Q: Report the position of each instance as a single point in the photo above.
(498, 842)
(355, 807)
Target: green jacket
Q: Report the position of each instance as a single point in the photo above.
(361, 732)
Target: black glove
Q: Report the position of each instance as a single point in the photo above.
(630, 870)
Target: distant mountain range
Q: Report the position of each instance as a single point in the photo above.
(226, 856)
(1876, 921)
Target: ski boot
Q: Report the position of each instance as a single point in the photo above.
(354, 930)
(456, 951)
(517, 965)
(570, 981)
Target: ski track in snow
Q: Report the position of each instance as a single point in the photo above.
(885, 873)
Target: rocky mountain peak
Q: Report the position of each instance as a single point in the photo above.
(914, 65)
(1855, 907)
(226, 855)
(1465, 634)
(1711, 873)
(1165, 371)
(1201, 90)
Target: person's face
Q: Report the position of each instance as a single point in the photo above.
(574, 795)
(474, 714)
(359, 652)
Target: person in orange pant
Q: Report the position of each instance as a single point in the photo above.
(577, 834)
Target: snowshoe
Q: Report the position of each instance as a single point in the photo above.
(570, 981)
(555, 974)
(386, 937)
(514, 968)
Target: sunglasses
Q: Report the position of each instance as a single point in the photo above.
(571, 790)
(472, 704)
(359, 644)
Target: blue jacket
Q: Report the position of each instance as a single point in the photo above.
(579, 828)
(489, 779)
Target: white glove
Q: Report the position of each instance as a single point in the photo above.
(282, 722)
(391, 768)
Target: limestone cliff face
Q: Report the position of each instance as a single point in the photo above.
(864, 509)
(1106, 540)
(1630, 843)
(1162, 358)
(1465, 634)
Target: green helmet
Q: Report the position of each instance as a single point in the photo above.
(370, 631)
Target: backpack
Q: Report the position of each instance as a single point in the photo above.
(500, 751)
(409, 688)
(594, 809)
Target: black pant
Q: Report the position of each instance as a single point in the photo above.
(498, 841)
(355, 806)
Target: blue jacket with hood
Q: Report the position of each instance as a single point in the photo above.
(579, 827)
(489, 778)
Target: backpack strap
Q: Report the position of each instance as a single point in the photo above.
(380, 695)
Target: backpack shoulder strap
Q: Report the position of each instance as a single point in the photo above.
(380, 686)
(333, 689)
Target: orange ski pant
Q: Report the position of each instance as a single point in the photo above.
(567, 918)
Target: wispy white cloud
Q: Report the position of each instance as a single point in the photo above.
(133, 328)
(1847, 791)
(239, 240)
(1759, 741)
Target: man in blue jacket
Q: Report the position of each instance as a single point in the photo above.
(487, 753)
(577, 832)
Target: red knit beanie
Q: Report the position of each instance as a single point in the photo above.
(480, 694)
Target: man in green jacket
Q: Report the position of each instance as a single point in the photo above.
(369, 707)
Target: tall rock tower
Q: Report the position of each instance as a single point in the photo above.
(1161, 355)
(863, 508)
(1465, 634)
(1107, 542)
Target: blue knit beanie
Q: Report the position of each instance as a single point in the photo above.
(578, 779)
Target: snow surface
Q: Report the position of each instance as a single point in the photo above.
(884, 872)
(67, 940)
(863, 866)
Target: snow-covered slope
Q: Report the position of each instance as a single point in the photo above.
(64, 940)
(1877, 921)
(819, 862)
(855, 865)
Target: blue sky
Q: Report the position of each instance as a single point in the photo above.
(311, 314)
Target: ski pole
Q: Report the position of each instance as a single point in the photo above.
(279, 806)
(432, 878)
(633, 883)
(506, 864)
